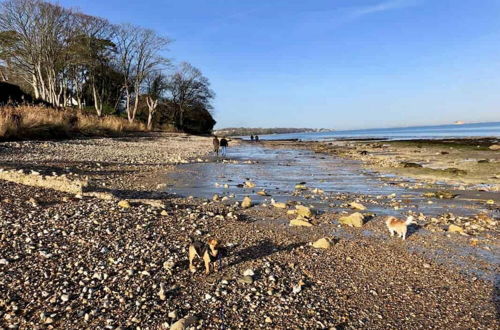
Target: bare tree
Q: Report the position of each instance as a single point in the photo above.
(188, 87)
(139, 55)
(156, 86)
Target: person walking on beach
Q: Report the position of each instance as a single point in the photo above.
(251, 137)
(223, 144)
(256, 138)
(215, 141)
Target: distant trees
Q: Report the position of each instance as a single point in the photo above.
(68, 58)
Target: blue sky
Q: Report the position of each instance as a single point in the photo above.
(335, 64)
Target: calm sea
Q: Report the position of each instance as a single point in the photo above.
(403, 133)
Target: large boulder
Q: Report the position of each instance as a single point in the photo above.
(246, 203)
(303, 211)
(353, 220)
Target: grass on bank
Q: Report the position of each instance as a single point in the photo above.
(36, 122)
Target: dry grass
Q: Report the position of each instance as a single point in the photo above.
(39, 122)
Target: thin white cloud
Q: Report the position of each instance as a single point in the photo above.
(382, 7)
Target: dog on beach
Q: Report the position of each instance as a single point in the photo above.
(210, 252)
(215, 142)
(399, 226)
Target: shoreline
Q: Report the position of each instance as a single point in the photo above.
(111, 265)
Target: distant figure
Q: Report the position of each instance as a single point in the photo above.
(256, 138)
(251, 137)
(215, 141)
(223, 145)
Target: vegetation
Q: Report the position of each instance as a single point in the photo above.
(28, 122)
(69, 59)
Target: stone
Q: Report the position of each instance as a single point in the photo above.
(215, 197)
(300, 223)
(262, 193)
(455, 229)
(411, 165)
(249, 184)
(494, 147)
(353, 220)
(184, 323)
(246, 280)
(246, 203)
(248, 272)
(322, 243)
(357, 206)
(279, 205)
(490, 202)
(164, 212)
(300, 187)
(124, 204)
(303, 211)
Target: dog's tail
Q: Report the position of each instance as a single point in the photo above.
(409, 220)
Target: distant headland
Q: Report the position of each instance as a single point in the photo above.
(239, 131)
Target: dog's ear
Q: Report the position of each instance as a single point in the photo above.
(213, 242)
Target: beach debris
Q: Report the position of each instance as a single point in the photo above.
(353, 220)
(357, 206)
(322, 243)
(246, 203)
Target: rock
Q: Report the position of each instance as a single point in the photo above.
(322, 243)
(164, 213)
(248, 272)
(490, 202)
(246, 203)
(300, 187)
(300, 223)
(4, 262)
(65, 297)
(494, 147)
(278, 205)
(455, 229)
(411, 165)
(353, 220)
(443, 194)
(215, 197)
(184, 323)
(303, 211)
(455, 171)
(246, 280)
(124, 204)
(297, 288)
(249, 184)
(262, 193)
(357, 206)
(161, 293)
(173, 315)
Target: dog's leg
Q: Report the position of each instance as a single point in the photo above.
(392, 232)
(206, 259)
(403, 234)
(192, 254)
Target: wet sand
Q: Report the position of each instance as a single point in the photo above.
(69, 262)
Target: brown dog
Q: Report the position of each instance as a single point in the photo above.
(209, 252)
